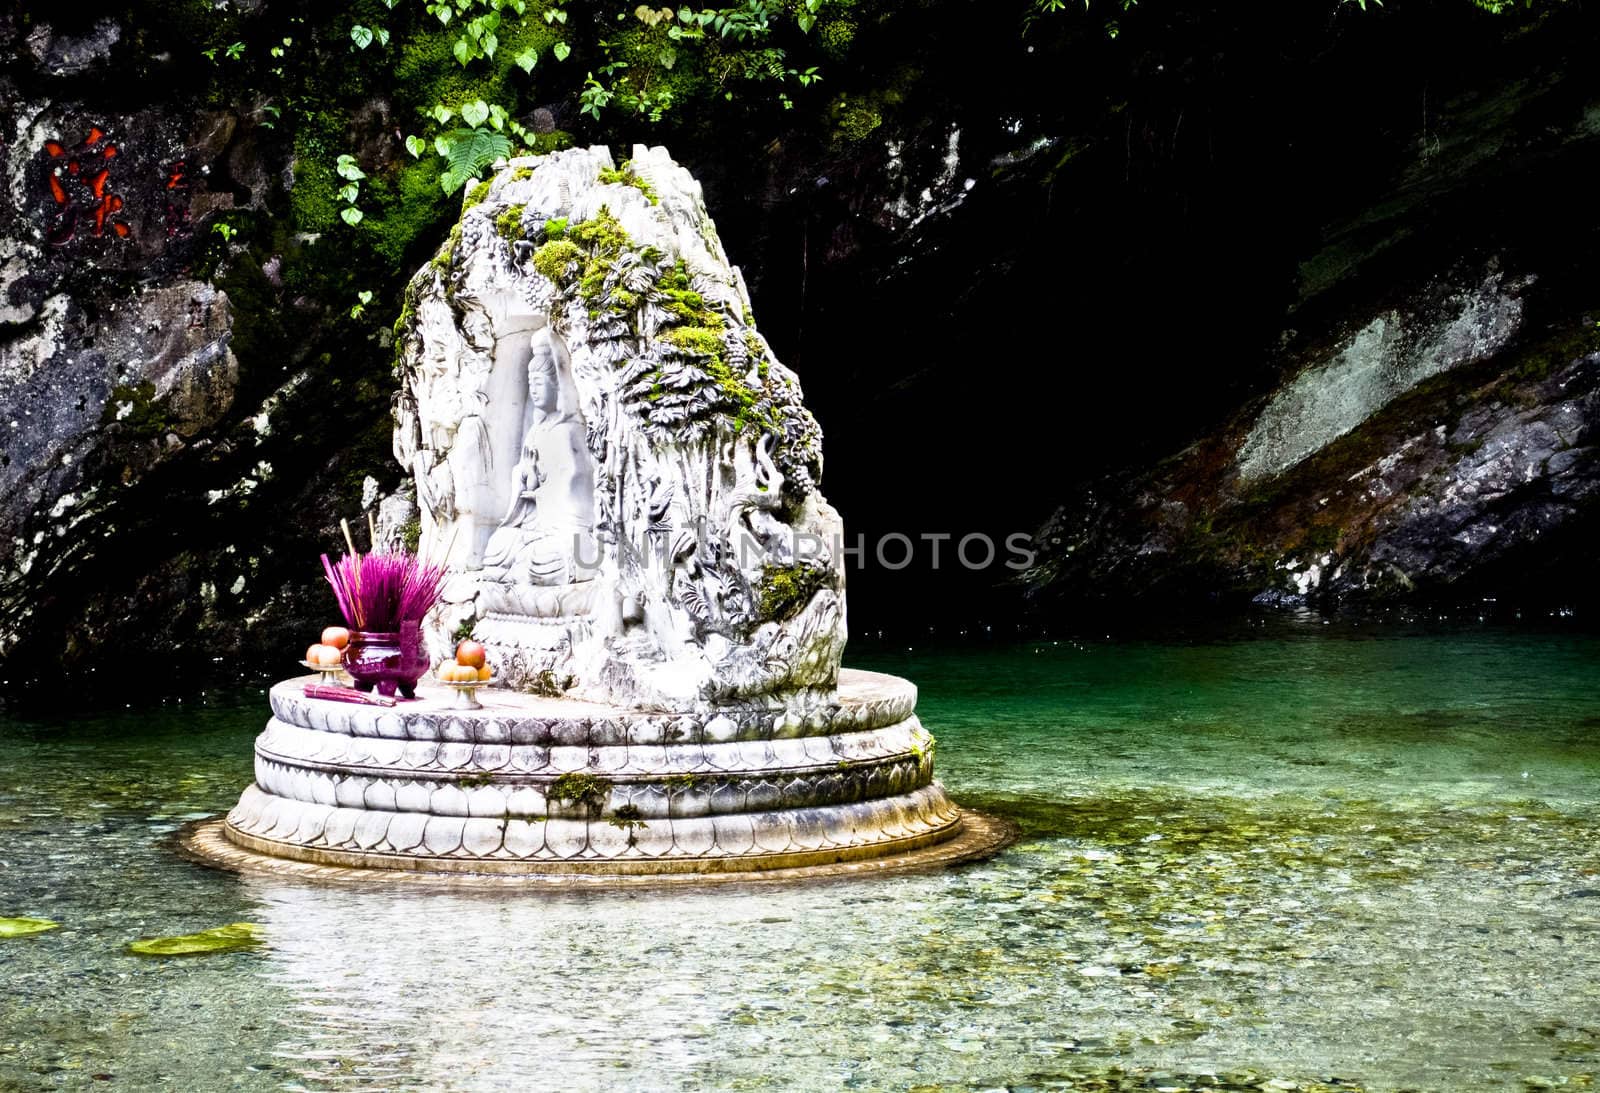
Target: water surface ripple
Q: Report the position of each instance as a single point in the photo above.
(1324, 858)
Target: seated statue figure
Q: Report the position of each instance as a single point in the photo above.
(547, 535)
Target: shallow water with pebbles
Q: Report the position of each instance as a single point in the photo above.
(1320, 858)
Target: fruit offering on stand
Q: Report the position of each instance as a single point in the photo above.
(470, 666)
(336, 636)
(325, 656)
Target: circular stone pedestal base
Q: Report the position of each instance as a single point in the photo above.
(979, 836)
(538, 786)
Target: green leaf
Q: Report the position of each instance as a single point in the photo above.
(561, 50)
(526, 60)
(468, 152)
(415, 145)
(361, 36)
(383, 36)
(23, 927)
(350, 191)
(347, 168)
(441, 113)
(350, 215)
(474, 113)
(490, 43)
(441, 144)
(223, 939)
(497, 116)
(462, 51)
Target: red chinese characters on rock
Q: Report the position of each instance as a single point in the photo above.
(177, 195)
(80, 186)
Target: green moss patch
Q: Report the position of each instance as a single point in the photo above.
(627, 176)
(785, 590)
(557, 259)
(580, 787)
(232, 938)
(508, 225)
(26, 927)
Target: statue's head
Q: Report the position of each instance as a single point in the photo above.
(550, 393)
(544, 380)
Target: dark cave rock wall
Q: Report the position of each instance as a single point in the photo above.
(1433, 452)
(1417, 424)
(171, 459)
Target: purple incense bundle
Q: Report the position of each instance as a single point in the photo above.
(378, 591)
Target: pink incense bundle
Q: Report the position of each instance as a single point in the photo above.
(377, 592)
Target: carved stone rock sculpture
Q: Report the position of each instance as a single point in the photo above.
(623, 482)
(622, 477)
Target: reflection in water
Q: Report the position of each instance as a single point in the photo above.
(1308, 857)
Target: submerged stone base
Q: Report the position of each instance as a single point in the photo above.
(556, 787)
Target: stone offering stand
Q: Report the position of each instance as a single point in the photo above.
(561, 790)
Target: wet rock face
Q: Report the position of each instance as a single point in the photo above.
(1505, 477)
(133, 380)
(1384, 359)
(119, 379)
(71, 54)
(1422, 453)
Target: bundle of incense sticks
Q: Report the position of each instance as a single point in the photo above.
(334, 693)
(380, 590)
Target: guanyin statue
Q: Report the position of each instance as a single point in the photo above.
(547, 534)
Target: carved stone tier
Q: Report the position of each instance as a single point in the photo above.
(533, 785)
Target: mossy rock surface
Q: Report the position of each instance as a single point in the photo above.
(223, 939)
(26, 927)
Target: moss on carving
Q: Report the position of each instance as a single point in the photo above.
(441, 261)
(629, 818)
(475, 196)
(627, 176)
(557, 259)
(705, 341)
(580, 788)
(785, 589)
(549, 685)
(509, 223)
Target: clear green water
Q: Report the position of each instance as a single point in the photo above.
(1321, 856)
